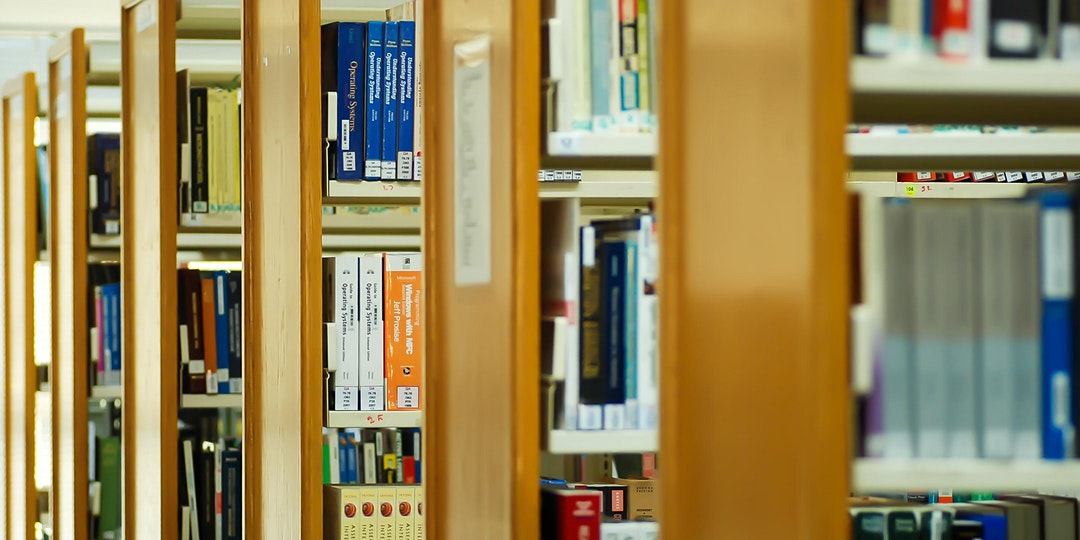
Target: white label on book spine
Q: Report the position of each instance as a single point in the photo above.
(1014, 36)
(1057, 254)
(472, 162)
(408, 397)
(345, 136)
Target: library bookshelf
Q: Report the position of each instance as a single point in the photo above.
(19, 111)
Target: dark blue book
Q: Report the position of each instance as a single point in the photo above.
(103, 153)
(221, 329)
(1057, 324)
(348, 456)
(232, 495)
(236, 325)
(111, 296)
(374, 102)
(593, 367)
(613, 311)
(390, 101)
(343, 48)
(406, 101)
(200, 150)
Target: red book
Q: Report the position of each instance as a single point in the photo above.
(959, 176)
(569, 514)
(954, 40)
(408, 469)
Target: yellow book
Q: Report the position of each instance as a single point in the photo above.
(406, 512)
(369, 513)
(341, 511)
(418, 521)
(387, 512)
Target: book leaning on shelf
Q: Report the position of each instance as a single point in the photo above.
(372, 306)
(600, 352)
(369, 84)
(605, 80)
(977, 353)
(210, 331)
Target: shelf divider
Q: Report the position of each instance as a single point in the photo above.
(282, 270)
(68, 265)
(19, 111)
(753, 225)
(148, 269)
(482, 340)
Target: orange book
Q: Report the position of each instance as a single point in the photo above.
(209, 335)
(404, 342)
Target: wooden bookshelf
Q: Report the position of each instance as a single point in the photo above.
(148, 269)
(19, 111)
(754, 274)
(68, 262)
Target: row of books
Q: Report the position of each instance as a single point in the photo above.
(371, 456)
(211, 331)
(1006, 516)
(377, 511)
(968, 29)
(600, 354)
(372, 306)
(603, 65)
(977, 354)
(607, 511)
(210, 160)
(105, 470)
(104, 314)
(369, 81)
(211, 480)
(1010, 176)
(103, 169)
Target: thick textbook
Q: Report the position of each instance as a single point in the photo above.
(343, 73)
(373, 101)
(103, 151)
(406, 100)
(391, 61)
(403, 326)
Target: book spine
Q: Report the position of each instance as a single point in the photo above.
(373, 104)
(221, 322)
(645, 101)
(962, 355)
(210, 335)
(350, 86)
(955, 29)
(218, 491)
(592, 373)
(197, 350)
(405, 528)
(233, 493)
(403, 341)
(418, 107)
(368, 515)
(100, 330)
(930, 353)
(418, 524)
(390, 101)
(200, 180)
(906, 36)
(1057, 325)
(346, 380)
(1015, 29)
(632, 293)
(371, 333)
(613, 310)
(236, 325)
(648, 328)
(344, 472)
(387, 523)
(113, 292)
(996, 374)
(627, 66)
(1025, 318)
(189, 477)
(1069, 31)
(600, 59)
(406, 101)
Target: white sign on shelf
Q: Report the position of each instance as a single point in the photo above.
(472, 162)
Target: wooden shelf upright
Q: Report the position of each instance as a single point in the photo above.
(68, 251)
(148, 269)
(19, 112)
(780, 263)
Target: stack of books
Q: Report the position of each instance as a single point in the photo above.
(371, 456)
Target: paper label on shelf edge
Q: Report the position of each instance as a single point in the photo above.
(472, 162)
(145, 15)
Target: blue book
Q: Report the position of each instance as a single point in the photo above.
(103, 152)
(232, 495)
(374, 103)
(346, 41)
(406, 102)
(613, 312)
(236, 325)
(348, 455)
(1057, 324)
(600, 60)
(112, 320)
(221, 329)
(390, 101)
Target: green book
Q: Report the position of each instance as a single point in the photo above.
(108, 473)
(903, 525)
(868, 524)
(325, 462)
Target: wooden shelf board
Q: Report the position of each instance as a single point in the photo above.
(879, 475)
(210, 61)
(587, 144)
(947, 190)
(605, 187)
(339, 192)
(377, 419)
(601, 442)
(206, 401)
(107, 392)
(924, 151)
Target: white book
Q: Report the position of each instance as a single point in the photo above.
(560, 291)
(370, 333)
(1026, 331)
(998, 299)
(189, 477)
(930, 351)
(956, 284)
(185, 523)
(330, 438)
(347, 377)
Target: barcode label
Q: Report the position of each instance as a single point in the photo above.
(408, 397)
(348, 161)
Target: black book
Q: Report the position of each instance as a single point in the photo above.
(1017, 28)
(200, 149)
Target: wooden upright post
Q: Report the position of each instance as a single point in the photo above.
(754, 270)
